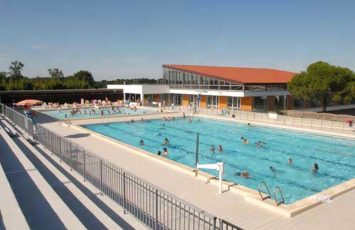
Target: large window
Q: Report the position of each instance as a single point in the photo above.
(176, 99)
(212, 102)
(234, 103)
(181, 79)
(259, 104)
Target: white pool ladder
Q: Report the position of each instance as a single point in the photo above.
(282, 200)
(268, 195)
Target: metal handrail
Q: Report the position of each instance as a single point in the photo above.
(282, 201)
(267, 189)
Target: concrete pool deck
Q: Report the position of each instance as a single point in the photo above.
(229, 205)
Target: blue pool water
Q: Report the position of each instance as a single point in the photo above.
(85, 113)
(335, 156)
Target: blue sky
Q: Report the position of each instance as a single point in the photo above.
(134, 38)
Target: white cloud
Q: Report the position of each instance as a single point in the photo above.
(40, 47)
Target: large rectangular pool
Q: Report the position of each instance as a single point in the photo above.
(335, 156)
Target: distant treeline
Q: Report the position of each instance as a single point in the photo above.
(14, 80)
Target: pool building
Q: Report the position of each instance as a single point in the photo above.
(212, 87)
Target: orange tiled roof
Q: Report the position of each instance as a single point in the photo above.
(238, 74)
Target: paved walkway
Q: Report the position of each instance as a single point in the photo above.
(229, 205)
(78, 205)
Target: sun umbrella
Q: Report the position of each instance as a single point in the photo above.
(29, 102)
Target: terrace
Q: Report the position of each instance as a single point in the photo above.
(247, 212)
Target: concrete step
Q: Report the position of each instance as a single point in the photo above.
(37, 181)
(9, 207)
(84, 199)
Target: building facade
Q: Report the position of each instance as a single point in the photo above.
(236, 88)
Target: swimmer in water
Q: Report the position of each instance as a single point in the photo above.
(272, 169)
(165, 152)
(260, 144)
(212, 149)
(245, 141)
(141, 142)
(166, 141)
(315, 168)
(290, 162)
(244, 174)
(220, 148)
(159, 153)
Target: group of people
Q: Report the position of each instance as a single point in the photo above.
(246, 174)
(90, 108)
(84, 103)
(50, 105)
(92, 111)
(213, 149)
(165, 143)
(258, 144)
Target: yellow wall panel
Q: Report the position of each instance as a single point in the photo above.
(223, 102)
(246, 103)
(203, 102)
(185, 100)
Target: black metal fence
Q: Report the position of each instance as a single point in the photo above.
(153, 206)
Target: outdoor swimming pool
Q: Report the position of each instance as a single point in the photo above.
(335, 156)
(88, 113)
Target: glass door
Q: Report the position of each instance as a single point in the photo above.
(212, 102)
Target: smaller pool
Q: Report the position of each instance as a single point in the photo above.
(94, 112)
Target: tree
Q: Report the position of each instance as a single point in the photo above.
(14, 80)
(2, 80)
(80, 80)
(85, 76)
(15, 69)
(56, 73)
(323, 82)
